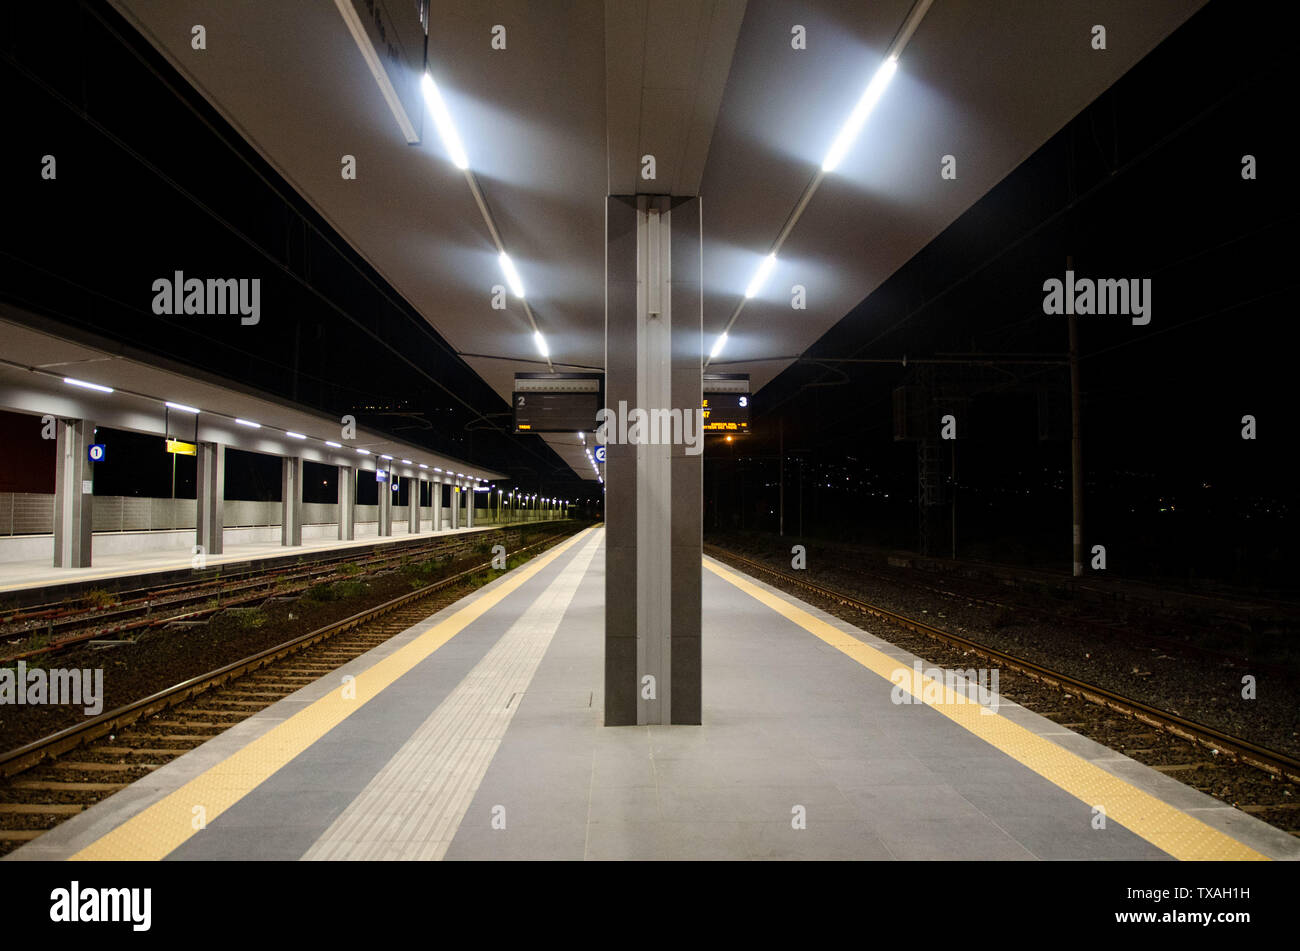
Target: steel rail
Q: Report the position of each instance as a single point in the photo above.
(32, 754)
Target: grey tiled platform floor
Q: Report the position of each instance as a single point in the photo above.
(790, 723)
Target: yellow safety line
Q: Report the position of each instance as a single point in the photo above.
(164, 826)
(1164, 826)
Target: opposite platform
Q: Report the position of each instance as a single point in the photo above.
(19, 576)
(477, 734)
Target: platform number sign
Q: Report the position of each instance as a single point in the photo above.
(96, 452)
(600, 454)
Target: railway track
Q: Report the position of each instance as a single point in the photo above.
(1275, 763)
(58, 776)
(135, 611)
(988, 596)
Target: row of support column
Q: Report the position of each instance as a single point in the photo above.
(347, 505)
(74, 499)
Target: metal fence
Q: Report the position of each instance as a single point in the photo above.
(32, 513)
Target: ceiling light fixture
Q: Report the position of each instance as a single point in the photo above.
(512, 276)
(541, 344)
(294, 435)
(760, 277)
(858, 117)
(451, 141)
(442, 118)
(87, 386)
(839, 147)
(248, 422)
(181, 407)
(718, 345)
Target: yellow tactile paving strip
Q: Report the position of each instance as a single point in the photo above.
(158, 830)
(1164, 826)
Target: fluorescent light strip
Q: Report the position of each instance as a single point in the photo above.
(294, 435)
(363, 452)
(718, 345)
(456, 151)
(87, 386)
(858, 117)
(541, 344)
(512, 276)
(760, 277)
(385, 457)
(181, 407)
(249, 423)
(336, 445)
(839, 148)
(442, 118)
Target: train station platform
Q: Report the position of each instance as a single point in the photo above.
(477, 734)
(162, 567)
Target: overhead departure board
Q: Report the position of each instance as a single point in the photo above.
(726, 403)
(556, 402)
(541, 412)
(726, 412)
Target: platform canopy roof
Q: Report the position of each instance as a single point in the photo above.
(48, 374)
(715, 89)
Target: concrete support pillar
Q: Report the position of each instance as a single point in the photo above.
(74, 503)
(210, 495)
(413, 508)
(471, 499)
(455, 506)
(436, 488)
(385, 509)
(654, 352)
(347, 503)
(291, 501)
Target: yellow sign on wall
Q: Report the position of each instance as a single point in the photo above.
(181, 448)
